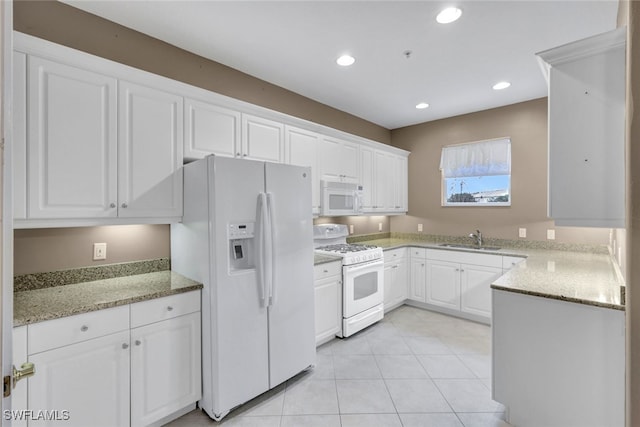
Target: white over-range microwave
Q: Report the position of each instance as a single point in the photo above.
(340, 198)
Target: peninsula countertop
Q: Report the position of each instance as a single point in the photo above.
(579, 275)
(36, 305)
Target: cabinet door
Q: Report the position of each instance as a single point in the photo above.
(339, 160)
(71, 143)
(400, 185)
(443, 284)
(418, 280)
(367, 179)
(19, 146)
(210, 129)
(475, 288)
(302, 150)
(89, 379)
(395, 283)
(165, 368)
(328, 304)
(262, 139)
(150, 152)
(384, 176)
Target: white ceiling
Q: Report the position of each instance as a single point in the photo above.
(294, 44)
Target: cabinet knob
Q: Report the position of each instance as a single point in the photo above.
(138, 342)
(325, 271)
(169, 308)
(237, 154)
(457, 269)
(125, 346)
(395, 266)
(244, 155)
(462, 270)
(84, 328)
(112, 205)
(124, 205)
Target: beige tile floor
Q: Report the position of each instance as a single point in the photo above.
(414, 368)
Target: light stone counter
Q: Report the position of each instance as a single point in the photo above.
(46, 303)
(575, 274)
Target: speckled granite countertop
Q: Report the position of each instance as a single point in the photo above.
(46, 303)
(323, 259)
(577, 273)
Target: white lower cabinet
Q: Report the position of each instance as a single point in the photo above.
(328, 301)
(93, 370)
(396, 275)
(159, 389)
(417, 274)
(454, 282)
(85, 383)
(19, 393)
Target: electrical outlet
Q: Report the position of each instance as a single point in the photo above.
(522, 232)
(419, 227)
(351, 229)
(99, 251)
(551, 234)
(379, 226)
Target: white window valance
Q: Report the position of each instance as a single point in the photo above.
(481, 158)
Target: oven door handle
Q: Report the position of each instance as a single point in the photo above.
(363, 266)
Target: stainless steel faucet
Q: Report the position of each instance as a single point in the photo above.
(477, 237)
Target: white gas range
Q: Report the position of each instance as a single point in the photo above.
(362, 276)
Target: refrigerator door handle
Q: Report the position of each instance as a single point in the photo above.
(261, 238)
(271, 248)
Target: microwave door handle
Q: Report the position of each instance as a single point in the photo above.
(356, 202)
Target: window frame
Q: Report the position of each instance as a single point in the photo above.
(443, 181)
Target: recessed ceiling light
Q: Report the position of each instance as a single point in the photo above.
(346, 60)
(501, 85)
(448, 15)
(422, 106)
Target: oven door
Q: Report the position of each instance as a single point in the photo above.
(363, 287)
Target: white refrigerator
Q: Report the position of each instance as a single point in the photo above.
(247, 235)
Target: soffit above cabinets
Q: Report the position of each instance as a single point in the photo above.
(452, 67)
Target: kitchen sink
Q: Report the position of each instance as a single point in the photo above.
(474, 247)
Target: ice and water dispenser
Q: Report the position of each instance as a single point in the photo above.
(241, 246)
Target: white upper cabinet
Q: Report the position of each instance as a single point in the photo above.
(383, 175)
(72, 142)
(587, 131)
(150, 152)
(338, 160)
(301, 149)
(262, 139)
(210, 129)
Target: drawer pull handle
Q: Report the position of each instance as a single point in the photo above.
(125, 346)
(169, 308)
(325, 271)
(84, 328)
(138, 342)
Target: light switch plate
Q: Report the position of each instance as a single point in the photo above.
(522, 232)
(351, 229)
(419, 227)
(99, 251)
(551, 234)
(379, 226)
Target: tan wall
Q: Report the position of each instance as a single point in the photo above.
(51, 249)
(72, 27)
(526, 124)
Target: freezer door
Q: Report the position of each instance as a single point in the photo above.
(238, 329)
(291, 313)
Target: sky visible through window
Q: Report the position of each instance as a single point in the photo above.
(476, 184)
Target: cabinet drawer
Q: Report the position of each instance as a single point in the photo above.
(418, 252)
(155, 310)
(395, 254)
(72, 329)
(322, 271)
(462, 257)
